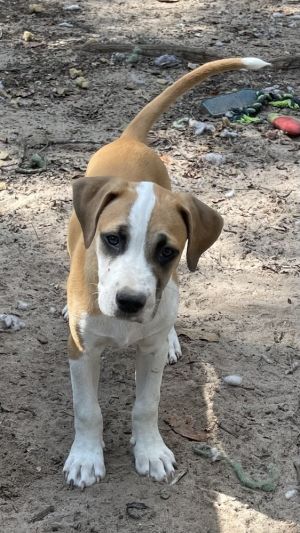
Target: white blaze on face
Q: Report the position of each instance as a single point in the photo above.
(130, 269)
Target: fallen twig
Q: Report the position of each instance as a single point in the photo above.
(229, 431)
(179, 476)
(297, 468)
(266, 359)
(42, 514)
(150, 50)
(20, 170)
(185, 52)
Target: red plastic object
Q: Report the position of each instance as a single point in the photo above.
(287, 124)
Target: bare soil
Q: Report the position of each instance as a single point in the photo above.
(246, 290)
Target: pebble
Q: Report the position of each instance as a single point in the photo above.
(138, 80)
(27, 36)
(230, 193)
(22, 305)
(166, 60)
(75, 73)
(65, 25)
(162, 81)
(117, 57)
(72, 7)
(201, 127)
(36, 8)
(12, 322)
(42, 339)
(192, 66)
(228, 134)
(233, 380)
(214, 158)
(290, 493)
(82, 82)
(216, 455)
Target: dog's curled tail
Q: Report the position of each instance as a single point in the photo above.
(142, 123)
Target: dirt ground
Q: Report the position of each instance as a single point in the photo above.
(244, 295)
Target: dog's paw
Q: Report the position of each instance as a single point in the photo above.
(174, 347)
(65, 313)
(84, 466)
(154, 459)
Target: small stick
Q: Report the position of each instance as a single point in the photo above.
(177, 478)
(265, 358)
(34, 230)
(221, 426)
(42, 514)
(297, 468)
(185, 52)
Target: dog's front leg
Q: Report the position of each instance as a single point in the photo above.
(152, 457)
(85, 463)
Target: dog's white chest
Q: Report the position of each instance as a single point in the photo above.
(110, 331)
(102, 329)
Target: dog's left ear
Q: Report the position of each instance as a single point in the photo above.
(203, 224)
(90, 197)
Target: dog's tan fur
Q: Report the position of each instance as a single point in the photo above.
(131, 160)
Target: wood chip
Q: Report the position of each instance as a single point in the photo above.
(136, 510)
(42, 514)
(178, 477)
(196, 334)
(185, 428)
(4, 155)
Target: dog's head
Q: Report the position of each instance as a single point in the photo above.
(140, 230)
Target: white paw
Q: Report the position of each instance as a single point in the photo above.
(85, 465)
(174, 347)
(65, 313)
(154, 459)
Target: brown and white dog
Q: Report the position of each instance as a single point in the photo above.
(126, 237)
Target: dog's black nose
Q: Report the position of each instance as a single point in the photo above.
(129, 301)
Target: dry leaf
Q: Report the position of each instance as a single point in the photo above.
(4, 155)
(185, 428)
(197, 334)
(166, 159)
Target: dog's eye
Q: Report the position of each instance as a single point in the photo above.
(115, 243)
(166, 254)
(112, 240)
(167, 251)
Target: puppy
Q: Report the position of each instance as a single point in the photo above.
(126, 236)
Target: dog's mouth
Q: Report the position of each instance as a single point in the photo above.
(129, 317)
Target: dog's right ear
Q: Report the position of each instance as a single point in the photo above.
(90, 197)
